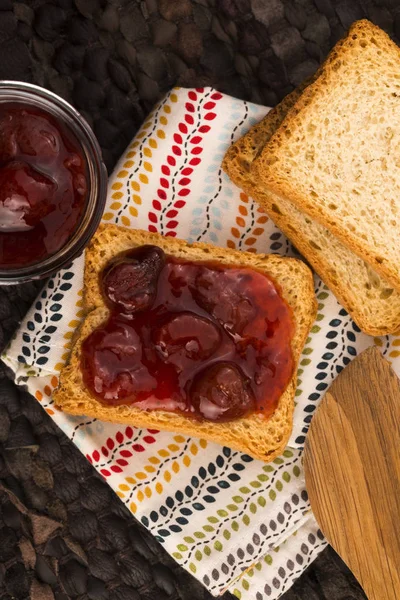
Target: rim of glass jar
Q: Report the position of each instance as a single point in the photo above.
(19, 91)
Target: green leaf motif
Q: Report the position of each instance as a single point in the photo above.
(245, 584)
(319, 317)
(198, 555)
(268, 559)
(315, 329)
(199, 535)
(298, 392)
(255, 484)
(268, 468)
(208, 528)
(279, 485)
(307, 351)
(189, 540)
(262, 477)
(238, 499)
(244, 490)
(286, 477)
(207, 550)
(227, 534)
(253, 508)
(262, 501)
(222, 513)
(235, 526)
(192, 567)
(305, 362)
(237, 594)
(218, 546)
(212, 520)
(177, 555)
(182, 547)
(232, 507)
(246, 520)
(288, 454)
(296, 471)
(272, 494)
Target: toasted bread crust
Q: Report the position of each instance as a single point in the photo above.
(259, 437)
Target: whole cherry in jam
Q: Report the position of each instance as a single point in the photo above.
(222, 393)
(24, 196)
(43, 185)
(185, 337)
(130, 284)
(207, 340)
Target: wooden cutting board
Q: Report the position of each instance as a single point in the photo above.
(352, 470)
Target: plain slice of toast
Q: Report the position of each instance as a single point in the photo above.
(336, 154)
(261, 438)
(369, 298)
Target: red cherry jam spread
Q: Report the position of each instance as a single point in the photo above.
(43, 185)
(208, 340)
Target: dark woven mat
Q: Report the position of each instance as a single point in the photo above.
(63, 533)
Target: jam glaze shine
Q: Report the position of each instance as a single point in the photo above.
(43, 185)
(204, 339)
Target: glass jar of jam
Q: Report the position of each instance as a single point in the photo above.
(52, 182)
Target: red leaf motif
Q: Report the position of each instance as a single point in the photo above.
(119, 437)
(138, 448)
(89, 458)
(104, 451)
(96, 455)
(204, 129)
(156, 205)
(171, 161)
(165, 170)
(171, 213)
(200, 90)
(182, 128)
(164, 182)
(152, 228)
(126, 453)
(179, 204)
(162, 194)
(116, 469)
(216, 96)
(194, 161)
(189, 107)
(184, 192)
(170, 234)
(129, 432)
(122, 462)
(192, 96)
(210, 116)
(196, 139)
(105, 472)
(153, 431)
(110, 443)
(172, 224)
(184, 181)
(187, 171)
(189, 119)
(209, 105)
(177, 138)
(149, 438)
(176, 150)
(152, 217)
(197, 150)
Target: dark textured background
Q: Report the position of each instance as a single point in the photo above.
(63, 534)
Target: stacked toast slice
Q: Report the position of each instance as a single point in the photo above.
(325, 166)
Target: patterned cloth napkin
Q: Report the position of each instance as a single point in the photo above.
(233, 522)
